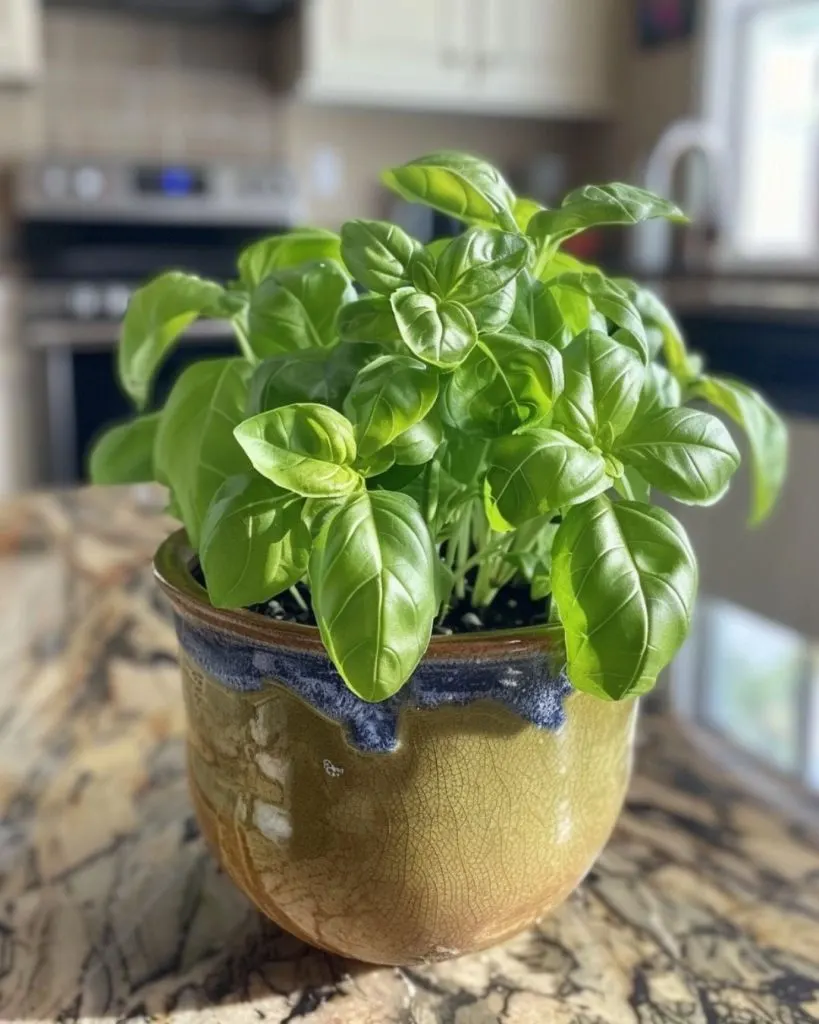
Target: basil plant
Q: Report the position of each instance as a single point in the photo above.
(404, 424)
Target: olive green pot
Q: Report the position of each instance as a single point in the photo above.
(445, 827)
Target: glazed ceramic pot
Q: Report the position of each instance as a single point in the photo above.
(436, 823)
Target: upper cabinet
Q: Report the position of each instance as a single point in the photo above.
(533, 57)
(20, 45)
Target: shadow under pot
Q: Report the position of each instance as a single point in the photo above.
(436, 823)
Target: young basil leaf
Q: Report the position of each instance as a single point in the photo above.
(661, 390)
(311, 376)
(767, 437)
(387, 397)
(371, 321)
(420, 443)
(523, 211)
(296, 308)
(378, 254)
(603, 382)
(688, 454)
(631, 486)
(612, 302)
(478, 269)
(434, 248)
(439, 332)
(124, 454)
(377, 464)
(457, 184)
(658, 318)
(157, 314)
(506, 383)
(306, 448)
(254, 543)
(624, 578)
(195, 450)
(597, 205)
(537, 315)
(541, 471)
(278, 252)
(373, 584)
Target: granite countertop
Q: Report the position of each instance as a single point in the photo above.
(704, 907)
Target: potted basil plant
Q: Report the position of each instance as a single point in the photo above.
(422, 577)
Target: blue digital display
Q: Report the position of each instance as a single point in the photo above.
(177, 181)
(173, 182)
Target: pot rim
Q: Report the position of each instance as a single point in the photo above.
(171, 567)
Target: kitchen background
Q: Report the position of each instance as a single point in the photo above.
(137, 134)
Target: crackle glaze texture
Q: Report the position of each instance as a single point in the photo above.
(702, 909)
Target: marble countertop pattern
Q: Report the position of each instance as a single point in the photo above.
(703, 909)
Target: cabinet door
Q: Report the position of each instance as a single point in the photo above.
(388, 52)
(19, 40)
(548, 56)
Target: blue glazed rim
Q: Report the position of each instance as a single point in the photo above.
(521, 669)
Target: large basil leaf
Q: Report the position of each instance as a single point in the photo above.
(506, 383)
(597, 205)
(541, 471)
(688, 454)
(661, 390)
(254, 543)
(602, 388)
(195, 450)
(157, 314)
(310, 376)
(420, 443)
(125, 452)
(439, 332)
(296, 308)
(371, 321)
(536, 313)
(523, 211)
(767, 437)
(611, 302)
(478, 269)
(656, 316)
(624, 578)
(372, 580)
(387, 397)
(278, 252)
(378, 254)
(457, 184)
(306, 448)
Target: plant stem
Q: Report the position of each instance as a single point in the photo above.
(294, 593)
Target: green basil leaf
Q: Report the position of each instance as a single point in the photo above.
(420, 443)
(506, 383)
(373, 583)
(767, 437)
(523, 211)
(603, 382)
(541, 471)
(387, 397)
(661, 390)
(439, 332)
(656, 316)
(598, 205)
(306, 448)
(311, 376)
(537, 314)
(624, 578)
(371, 321)
(457, 184)
(279, 252)
(378, 254)
(687, 454)
(124, 454)
(195, 450)
(157, 315)
(478, 269)
(296, 308)
(434, 248)
(612, 302)
(254, 543)
(632, 486)
(376, 464)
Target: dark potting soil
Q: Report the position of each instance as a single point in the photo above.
(512, 608)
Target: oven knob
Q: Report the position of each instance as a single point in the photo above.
(55, 182)
(89, 184)
(85, 301)
(115, 301)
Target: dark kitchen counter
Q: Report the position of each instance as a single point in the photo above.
(703, 908)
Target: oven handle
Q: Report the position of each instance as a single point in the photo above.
(100, 334)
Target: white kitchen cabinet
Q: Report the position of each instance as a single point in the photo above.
(20, 46)
(527, 57)
(387, 52)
